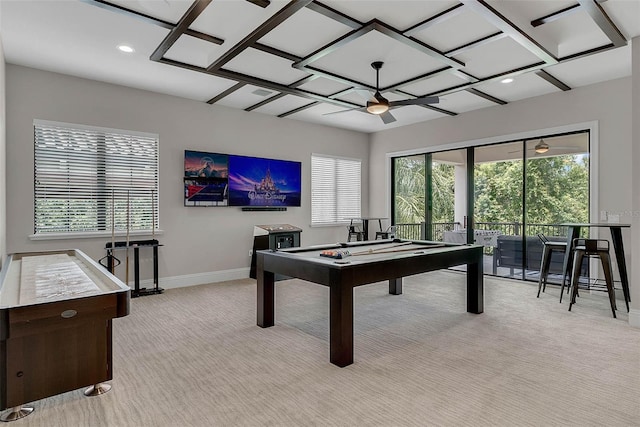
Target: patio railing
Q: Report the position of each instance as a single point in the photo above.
(417, 231)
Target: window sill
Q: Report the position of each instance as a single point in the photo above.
(91, 234)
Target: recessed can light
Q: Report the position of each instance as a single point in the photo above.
(126, 49)
(507, 80)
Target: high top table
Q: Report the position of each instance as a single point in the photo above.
(365, 224)
(618, 247)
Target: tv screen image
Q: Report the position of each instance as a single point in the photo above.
(206, 179)
(257, 181)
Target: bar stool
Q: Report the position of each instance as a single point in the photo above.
(354, 231)
(592, 248)
(389, 233)
(548, 247)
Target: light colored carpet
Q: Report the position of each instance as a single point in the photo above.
(194, 356)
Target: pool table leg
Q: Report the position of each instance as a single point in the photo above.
(340, 324)
(266, 295)
(395, 286)
(475, 287)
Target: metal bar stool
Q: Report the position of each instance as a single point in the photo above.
(354, 231)
(592, 247)
(548, 247)
(389, 233)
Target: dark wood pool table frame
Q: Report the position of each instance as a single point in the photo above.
(343, 278)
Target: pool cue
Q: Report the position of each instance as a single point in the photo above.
(392, 250)
(127, 250)
(373, 251)
(113, 229)
(153, 216)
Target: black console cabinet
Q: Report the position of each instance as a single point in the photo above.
(274, 236)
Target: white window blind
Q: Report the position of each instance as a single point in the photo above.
(335, 189)
(84, 174)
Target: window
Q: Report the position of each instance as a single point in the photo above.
(335, 189)
(90, 179)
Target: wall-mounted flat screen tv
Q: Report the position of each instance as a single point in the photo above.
(257, 181)
(213, 179)
(206, 179)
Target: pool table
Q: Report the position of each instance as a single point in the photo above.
(367, 262)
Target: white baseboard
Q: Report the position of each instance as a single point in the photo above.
(634, 317)
(198, 278)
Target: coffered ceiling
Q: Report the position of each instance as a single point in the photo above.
(311, 61)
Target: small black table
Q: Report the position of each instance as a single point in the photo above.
(618, 247)
(365, 224)
(370, 262)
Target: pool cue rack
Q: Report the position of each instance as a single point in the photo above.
(136, 245)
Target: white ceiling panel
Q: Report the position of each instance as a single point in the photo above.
(243, 97)
(283, 105)
(434, 84)
(304, 33)
(166, 10)
(496, 57)
(456, 31)
(262, 65)
(354, 60)
(400, 14)
(193, 51)
(523, 86)
(626, 15)
(323, 86)
(574, 33)
(613, 64)
(461, 102)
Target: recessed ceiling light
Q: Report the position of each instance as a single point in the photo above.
(507, 80)
(126, 49)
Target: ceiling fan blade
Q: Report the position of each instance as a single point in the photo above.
(346, 111)
(416, 101)
(387, 118)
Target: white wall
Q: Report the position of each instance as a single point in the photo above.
(635, 158)
(608, 103)
(197, 240)
(3, 176)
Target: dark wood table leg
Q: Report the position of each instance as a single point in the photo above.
(340, 324)
(572, 233)
(365, 228)
(395, 286)
(156, 282)
(618, 247)
(266, 294)
(136, 270)
(475, 287)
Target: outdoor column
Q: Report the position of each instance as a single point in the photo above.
(460, 188)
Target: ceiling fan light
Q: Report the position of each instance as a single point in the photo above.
(377, 108)
(541, 147)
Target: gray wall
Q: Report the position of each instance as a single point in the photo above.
(201, 244)
(608, 103)
(3, 176)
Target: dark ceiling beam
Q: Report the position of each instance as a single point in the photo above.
(265, 101)
(268, 25)
(338, 79)
(586, 53)
(567, 11)
(333, 46)
(429, 106)
(277, 52)
(304, 80)
(297, 110)
(486, 96)
(340, 17)
(603, 21)
(261, 3)
(227, 92)
(509, 28)
(183, 24)
(554, 81)
(150, 20)
(434, 20)
(476, 43)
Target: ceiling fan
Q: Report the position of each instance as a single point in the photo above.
(542, 147)
(379, 105)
